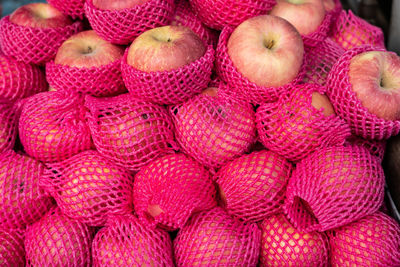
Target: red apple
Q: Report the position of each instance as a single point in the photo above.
(267, 50)
(375, 78)
(329, 5)
(305, 15)
(117, 4)
(87, 49)
(39, 15)
(165, 48)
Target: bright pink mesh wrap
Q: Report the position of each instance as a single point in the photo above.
(253, 186)
(349, 107)
(247, 89)
(8, 125)
(72, 8)
(293, 128)
(218, 14)
(89, 187)
(123, 26)
(350, 31)
(371, 241)
(333, 187)
(375, 147)
(57, 240)
(33, 45)
(22, 201)
(284, 245)
(52, 126)
(213, 238)
(129, 131)
(169, 87)
(99, 81)
(12, 251)
(20, 80)
(125, 241)
(177, 185)
(321, 33)
(214, 129)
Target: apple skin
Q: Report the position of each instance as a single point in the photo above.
(320, 101)
(295, 11)
(267, 50)
(39, 15)
(117, 4)
(375, 78)
(165, 48)
(87, 49)
(329, 5)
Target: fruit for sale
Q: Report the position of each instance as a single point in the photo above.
(12, 252)
(213, 238)
(125, 241)
(284, 245)
(375, 147)
(170, 189)
(72, 8)
(118, 4)
(8, 125)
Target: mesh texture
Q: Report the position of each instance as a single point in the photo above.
(8, 125)
(375, 147)
(321, 33)
(72, 8)
(12, 251)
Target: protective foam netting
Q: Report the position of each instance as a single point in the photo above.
(371, 241)
(105, 80)
(33, 45)
(20, 80)
(8, 124)
(253, 186)
(129, 131)
(214, 128)
(22, 200)
(321, 33)
(170, 189)
(213, 238)
(245, 88)
(375, 147)
(169, 87)
(52, 126)
(12, 251)
(284, 245)
(123, 26)
(72, 8)
(125, 241)
(57, 240)
(333, 187)
(218, 14)
(350, 31)
(89, 187)
(321, 59)
(294, 128)
(349, 107)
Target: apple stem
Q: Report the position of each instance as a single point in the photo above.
(269, 44)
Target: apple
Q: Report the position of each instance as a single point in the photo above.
(329, 5)
(267, 50)
(284, 245)
(165, 48)
(375, 79)
(117, 4)
(39, 15)
(8, 125)
(87, 49)
(12, 252)
(72, 8)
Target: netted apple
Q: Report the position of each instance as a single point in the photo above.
(12, 252)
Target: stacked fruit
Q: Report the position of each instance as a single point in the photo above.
(211, 133)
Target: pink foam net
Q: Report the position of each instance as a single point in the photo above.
(214, 129)
(72, 8)
(375, 147)
(22, 200)
(169, 87)
(8, 125)
(177, 186)
(52, 126)
(213, 238)
(253, 186)
(284, 245)
(321, 33)
(333, 187)
(350, 31)
(217, 14)
(371, 241)
(349, 107)
(99, 81)
(129, 131)
(57, 240)
(12, 251)
(20, 80)
(89, 188)
(123, 26)
(33, 45)
(125, 241)
(293, 128)
(247, 89)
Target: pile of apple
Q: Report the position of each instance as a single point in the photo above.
(195, 133)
